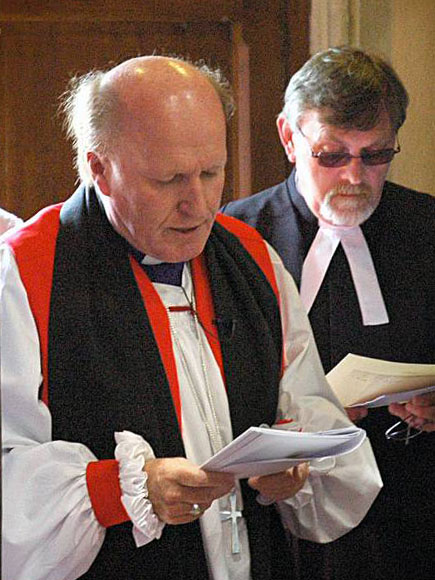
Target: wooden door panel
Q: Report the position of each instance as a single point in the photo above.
(44, 42)
(38, 58)
(122, 10)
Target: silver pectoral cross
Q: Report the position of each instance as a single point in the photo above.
(233, 515)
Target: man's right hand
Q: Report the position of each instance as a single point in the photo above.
(355, 414)
(176, 484)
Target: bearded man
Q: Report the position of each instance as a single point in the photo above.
(361, 250)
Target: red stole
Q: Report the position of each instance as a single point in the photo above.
(34, 248)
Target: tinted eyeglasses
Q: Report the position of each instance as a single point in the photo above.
(340, 159)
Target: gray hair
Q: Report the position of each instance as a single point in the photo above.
(220, 83)
(92, 111)
(349, 87)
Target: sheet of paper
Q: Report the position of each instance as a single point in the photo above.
(261, 451)
(357, 379)
(385, 400)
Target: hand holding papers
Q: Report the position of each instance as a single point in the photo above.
(419, 412)
(359, 380)
(262, 451)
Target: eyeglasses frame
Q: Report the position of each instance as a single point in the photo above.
(348, 156)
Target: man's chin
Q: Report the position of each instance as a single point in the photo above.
(179, 245)
(350, 217)
(183, 253)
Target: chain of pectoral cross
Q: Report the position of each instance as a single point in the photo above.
(213, 431)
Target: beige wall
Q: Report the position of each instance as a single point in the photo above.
(404, 32)
(413, 56)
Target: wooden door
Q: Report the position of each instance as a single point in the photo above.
(43, 43)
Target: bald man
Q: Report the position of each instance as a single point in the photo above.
(140, 335)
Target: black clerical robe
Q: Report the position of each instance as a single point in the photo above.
(397, 538)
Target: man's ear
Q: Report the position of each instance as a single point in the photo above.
(286, 136)
(98, 167)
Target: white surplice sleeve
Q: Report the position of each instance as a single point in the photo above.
(8, 221)
(340, 491)
(49, 528)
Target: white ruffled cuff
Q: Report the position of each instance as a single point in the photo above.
(131, 452)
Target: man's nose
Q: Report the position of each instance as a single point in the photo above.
(353, 172)
(193, 201)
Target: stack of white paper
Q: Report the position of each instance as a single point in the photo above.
(261, 451)
(363, 381)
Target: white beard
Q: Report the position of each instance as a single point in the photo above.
(348, 212)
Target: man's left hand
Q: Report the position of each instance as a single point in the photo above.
(419, 412)
(356, 414)
(283, 485)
